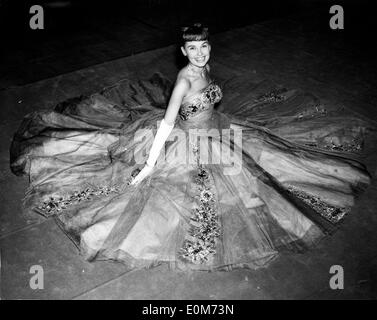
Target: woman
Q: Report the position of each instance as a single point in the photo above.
(190, 80)
(226, 191)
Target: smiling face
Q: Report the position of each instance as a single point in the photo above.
(197, 52)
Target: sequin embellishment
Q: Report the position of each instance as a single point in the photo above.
(354, 146)
(57, 204)
(200, 245)
(273, 96)
(329, 212)
(212, 94)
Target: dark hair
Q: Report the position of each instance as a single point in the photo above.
(195, 32)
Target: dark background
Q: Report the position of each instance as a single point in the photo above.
(76, 28)
(69, 17)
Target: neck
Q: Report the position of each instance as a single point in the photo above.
(196, 69)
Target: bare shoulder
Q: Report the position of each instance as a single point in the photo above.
(181, 87)
(183, 83)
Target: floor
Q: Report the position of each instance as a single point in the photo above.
(288, 51)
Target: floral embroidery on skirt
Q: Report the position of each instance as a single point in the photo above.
(200, 245)
(329, 212)
(55, 205)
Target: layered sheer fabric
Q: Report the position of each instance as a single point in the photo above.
(263, 170)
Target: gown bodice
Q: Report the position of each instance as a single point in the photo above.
(200, 101)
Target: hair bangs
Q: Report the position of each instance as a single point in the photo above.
(196, 32)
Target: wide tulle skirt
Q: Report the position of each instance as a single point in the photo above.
(275, 171)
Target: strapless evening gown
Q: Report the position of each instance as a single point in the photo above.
(267, 170)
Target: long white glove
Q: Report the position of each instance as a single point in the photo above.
(162, 134)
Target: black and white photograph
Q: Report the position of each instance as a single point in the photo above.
(196, 152)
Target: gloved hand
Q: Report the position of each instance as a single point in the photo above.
(159, 140)
(142, 175)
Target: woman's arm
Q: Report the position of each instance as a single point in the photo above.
(167, 124)
(180, 89)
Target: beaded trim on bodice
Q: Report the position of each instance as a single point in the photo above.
(210, 95)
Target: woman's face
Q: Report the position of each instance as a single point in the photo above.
(197, 52)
